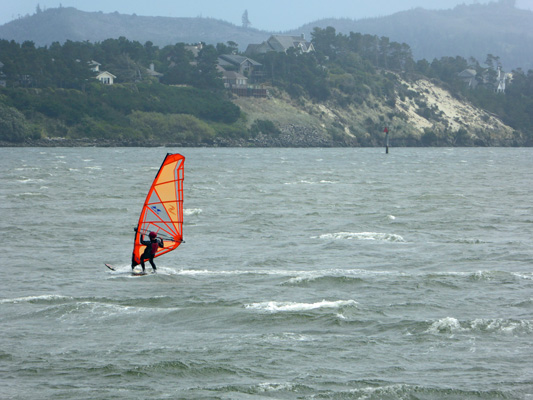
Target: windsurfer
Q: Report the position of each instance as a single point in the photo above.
(151, 247)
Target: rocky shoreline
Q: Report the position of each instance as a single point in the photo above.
(290, 136)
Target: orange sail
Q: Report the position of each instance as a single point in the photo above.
(162, 212)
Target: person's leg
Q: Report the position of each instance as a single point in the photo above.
(151, 259)
(142, 263)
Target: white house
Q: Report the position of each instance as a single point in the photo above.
(106, 77)
(94, 66)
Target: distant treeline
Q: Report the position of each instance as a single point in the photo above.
(51, 91)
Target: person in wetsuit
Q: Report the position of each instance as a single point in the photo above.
(151, 247)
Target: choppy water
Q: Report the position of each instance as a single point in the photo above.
(306, 274)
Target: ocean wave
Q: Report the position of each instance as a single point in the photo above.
(306, 182)
(29, 180)
(504, 326)
(270, 387)
(383, 390)
(377, 236)
(483, 275)
(29, 195)
(468, 241)
(277, 306)
(192, 211)
(45, 298)
(335, 274)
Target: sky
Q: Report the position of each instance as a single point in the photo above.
(269, 15)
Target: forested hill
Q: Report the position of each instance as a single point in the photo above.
(468, 31)
(342, 94)
(497, 28)
(67, 23)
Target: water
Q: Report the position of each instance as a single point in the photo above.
(306, 274)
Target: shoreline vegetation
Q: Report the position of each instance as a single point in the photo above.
(346, 93)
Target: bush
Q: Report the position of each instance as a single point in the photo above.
(264, 127)
(13, 125)
(170, 127)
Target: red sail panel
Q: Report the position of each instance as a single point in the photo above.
(162, 212)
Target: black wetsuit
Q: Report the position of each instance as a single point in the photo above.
(148, 254)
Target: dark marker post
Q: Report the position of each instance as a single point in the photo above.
(386, 130)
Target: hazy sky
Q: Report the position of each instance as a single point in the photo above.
(271, 15)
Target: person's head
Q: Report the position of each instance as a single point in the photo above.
(152, 235)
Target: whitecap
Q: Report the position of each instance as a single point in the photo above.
(29, 299)
(309, 276)
(523, 275)
(192, 211)
(502, 325)
(445, 325)
(385, 237)
(277, 306)
(275, 387)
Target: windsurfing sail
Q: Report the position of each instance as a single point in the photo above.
(162, 211)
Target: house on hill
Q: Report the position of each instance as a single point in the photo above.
(151, 72)
(280, 44)
(243, 65)
(107, 78)
(94, 66)
(233, 79)
(468, 76)
(237, 84)
(195, 49)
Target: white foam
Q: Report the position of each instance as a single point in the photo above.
(306, 182)
(275, 387)
(302, 276)
(28, 299)
(523, 275)
(276, 306)
(503, 326)
(452, 325)
(385, 237)
(447, 324)
(192, 211)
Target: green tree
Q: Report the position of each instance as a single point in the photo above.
(13, 125)
(207, 74)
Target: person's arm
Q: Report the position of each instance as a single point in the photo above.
(144, 242)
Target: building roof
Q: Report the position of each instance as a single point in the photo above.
(105, 74)
(280, 44)
(234, 59)
(468, 73)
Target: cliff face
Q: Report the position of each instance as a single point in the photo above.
(432, 118)
(453, 115)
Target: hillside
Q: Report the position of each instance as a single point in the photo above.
(343, 94)
(468, 31)
(456, 122)
(67, 23)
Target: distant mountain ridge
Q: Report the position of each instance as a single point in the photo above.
(474, 30)
(68, 23)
